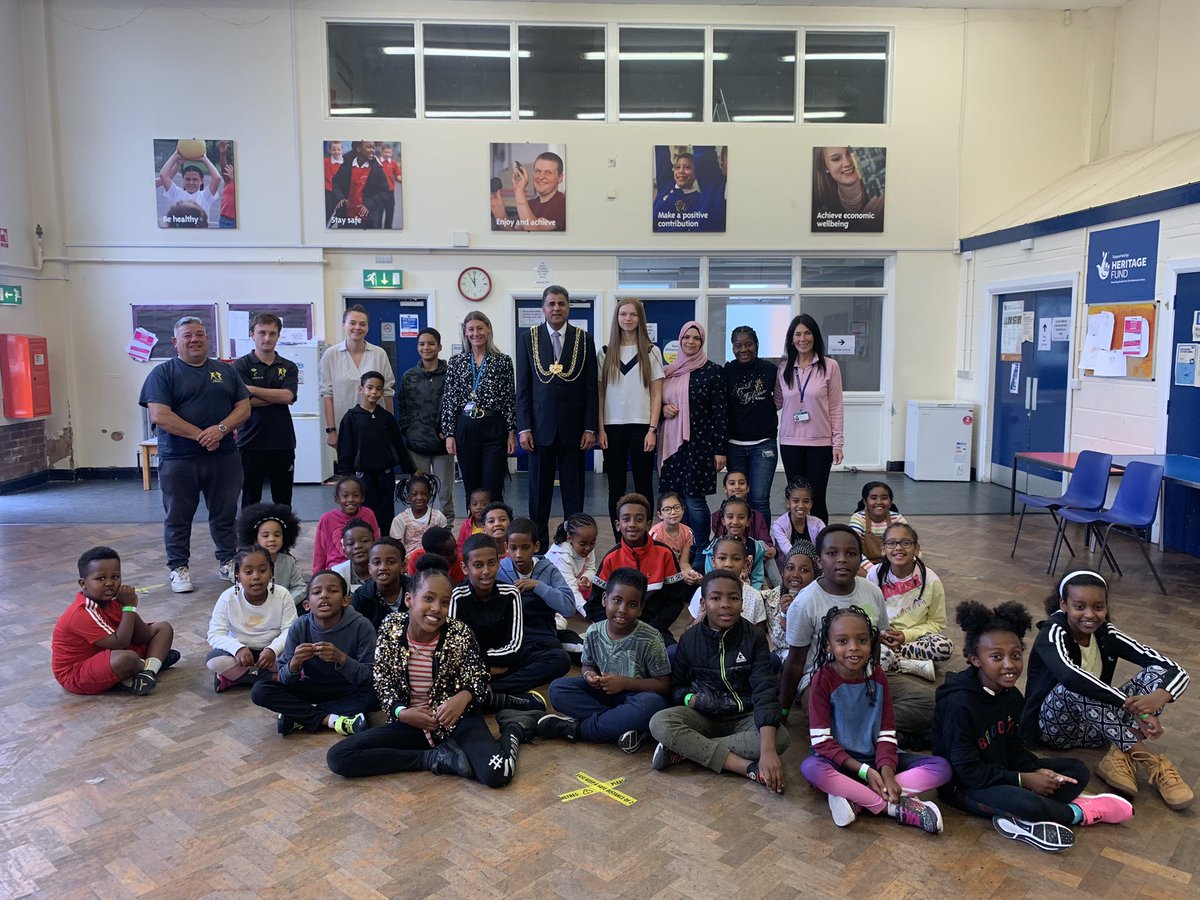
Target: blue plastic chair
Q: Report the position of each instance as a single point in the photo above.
(1087, 490)
(1134, 509)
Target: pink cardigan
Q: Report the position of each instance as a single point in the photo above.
(822, 401)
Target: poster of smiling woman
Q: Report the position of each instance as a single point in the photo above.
(194, 183)
(689, 187)
(528, 191)
(363, 185)
(848, 184)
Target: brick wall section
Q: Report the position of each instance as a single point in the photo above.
(22, 449)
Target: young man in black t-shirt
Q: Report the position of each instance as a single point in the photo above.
(267, 442)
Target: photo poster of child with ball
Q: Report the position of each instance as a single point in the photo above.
(528, 188)
(848, 186)
(194, 183)
(689, 187)
(363, 185)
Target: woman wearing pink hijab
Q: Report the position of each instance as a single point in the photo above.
(691, 438)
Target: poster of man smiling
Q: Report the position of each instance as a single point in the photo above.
(848, 185)
(194, 183)
(528, 191)
(689, 187)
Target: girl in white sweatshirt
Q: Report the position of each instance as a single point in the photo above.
(249, 624)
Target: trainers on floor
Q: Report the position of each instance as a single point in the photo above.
(553, 725)
(141, 684)
(173, 656)
(350, 724)
(222, 684)
(227, 569)
(570, 640)
(181, 580)
(1164, 776)
(843, 811)
(1048, 836)
(664, 758)
(631, 741)
(447, 758)
(1116, 769)
(921, 668)
(523, 724)
(285, 725)
(919, 814)
(530, 701)
(1108, 808)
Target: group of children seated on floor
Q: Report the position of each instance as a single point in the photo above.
(438, 631)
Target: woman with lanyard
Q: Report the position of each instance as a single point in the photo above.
(479, 408)
(692, 434)
(631, 385)
(809, 393)
(343, 365)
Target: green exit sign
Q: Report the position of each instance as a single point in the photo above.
(382, 278)
(10, 294)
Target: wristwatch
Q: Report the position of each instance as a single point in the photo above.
(330, 430)
(221, 427)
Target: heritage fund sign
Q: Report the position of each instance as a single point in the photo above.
(1122, 263)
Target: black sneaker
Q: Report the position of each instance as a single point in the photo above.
(285, 725)
(1048, 836)
(523, 724)
(447, 758)
(571, 641)
(631, 741)
(558, 726)
(172, 658)
(141, 683)
(664, 758)
(530, 701)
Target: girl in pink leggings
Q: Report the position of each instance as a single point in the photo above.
(855, 759)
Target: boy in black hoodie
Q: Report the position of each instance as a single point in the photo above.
(975, 727)
(728, 694)
(369, 446)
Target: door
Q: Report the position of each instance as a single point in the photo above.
(395, 324)
(1030, 391)
(528, 312)
(665, 318)
(1181, 506)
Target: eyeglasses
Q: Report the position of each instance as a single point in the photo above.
(906, 544)
(670, 509)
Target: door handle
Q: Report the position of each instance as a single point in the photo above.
(1028, 392)
(1035, 393)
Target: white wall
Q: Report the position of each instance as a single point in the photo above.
(959, 148)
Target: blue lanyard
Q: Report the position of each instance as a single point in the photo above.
(804, 387)
(476, 373)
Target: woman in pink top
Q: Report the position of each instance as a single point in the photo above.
(809, 394)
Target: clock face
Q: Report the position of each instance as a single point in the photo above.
(474, 283)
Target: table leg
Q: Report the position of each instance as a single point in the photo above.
(145, 468)
(1012, 496)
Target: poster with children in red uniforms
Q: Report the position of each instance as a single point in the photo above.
(363, 185)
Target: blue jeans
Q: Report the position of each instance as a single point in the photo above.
(697, 517)
(758, 462)
(604, 717)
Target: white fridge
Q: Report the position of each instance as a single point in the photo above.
(314, 458)
(937, 443)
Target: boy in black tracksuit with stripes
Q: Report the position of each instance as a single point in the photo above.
(728, 693)
(369, 446)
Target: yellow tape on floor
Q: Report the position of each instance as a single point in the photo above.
(596, 786)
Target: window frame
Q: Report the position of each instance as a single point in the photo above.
(889, 74)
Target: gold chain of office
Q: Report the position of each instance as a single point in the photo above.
(545, 376)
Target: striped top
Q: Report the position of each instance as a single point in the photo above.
(420, 671)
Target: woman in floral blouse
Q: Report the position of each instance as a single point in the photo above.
(431, 679)
(692, 433)
(479, 408)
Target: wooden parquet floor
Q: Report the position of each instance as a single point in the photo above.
(188, 794)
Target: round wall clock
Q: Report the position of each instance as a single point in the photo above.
(474, 283)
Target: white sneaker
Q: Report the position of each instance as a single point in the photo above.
(227, 569)
(181, 580)
(843, 811)
(922, 668)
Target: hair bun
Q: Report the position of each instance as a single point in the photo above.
(431, 562)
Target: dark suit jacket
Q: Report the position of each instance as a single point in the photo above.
(559, 409)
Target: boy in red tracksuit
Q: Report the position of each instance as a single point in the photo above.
(666, 591)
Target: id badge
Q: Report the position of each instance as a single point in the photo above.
(801, 416)
(470, 407)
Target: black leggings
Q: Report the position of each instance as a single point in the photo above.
(813, 465)
(1022, 803)
(626, 444)
(396, 747)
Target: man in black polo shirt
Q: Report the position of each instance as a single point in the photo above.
(267, 441)
(196, 403)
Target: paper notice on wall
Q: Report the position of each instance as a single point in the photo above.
(1110, 364)
(1014, 379)
(387, 332)
(242, 346)
(141, 344)
(1027, 320)
(239, 323)
(581, 324)
(529, 317)
(542, 272)
(293, 336)
(1136, 338)
(840, 345)
(1013, 306)
(652, 330)
(1196, 326)
(1098, 339)
(410, 326)
(1010, 335)
(1185, 365)
(1060, 328)
(1044, 334)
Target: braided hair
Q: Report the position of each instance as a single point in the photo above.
(824, 655)
(572, 525)
(404, 485)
